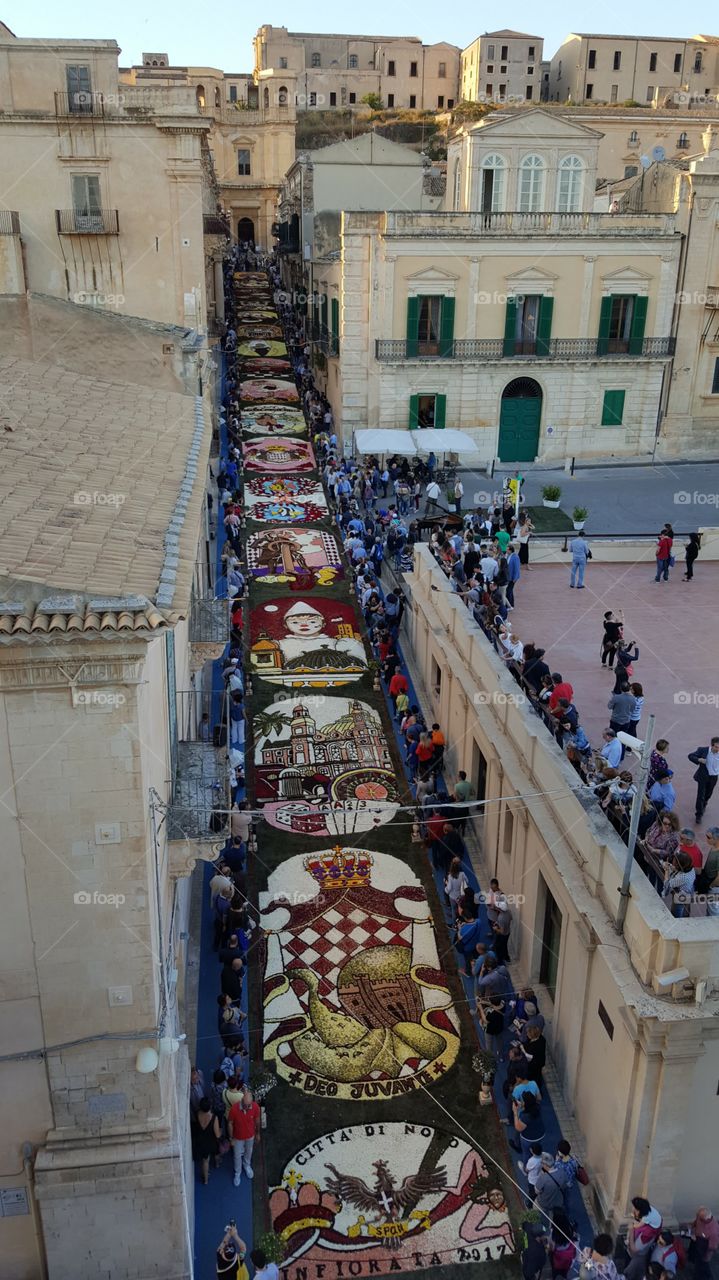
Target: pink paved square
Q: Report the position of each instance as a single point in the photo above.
(675, 626)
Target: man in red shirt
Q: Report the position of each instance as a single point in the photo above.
(663, 554)
(562, 689)
(243, 1126)
(398, 684)
(688, 845)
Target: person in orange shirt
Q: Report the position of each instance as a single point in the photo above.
(243, 1127)
(438, 744)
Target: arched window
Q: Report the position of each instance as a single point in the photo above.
(218, 100)
(531, 184)
(493, 184)
(571, 178)
(200, 95)
(316, 60)
(683, 141)
(282, 95)
(457, 190)
(354, 61)
(266, 97)
(633, 138)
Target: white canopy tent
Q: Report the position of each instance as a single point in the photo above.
(448, 440)
(380, 440)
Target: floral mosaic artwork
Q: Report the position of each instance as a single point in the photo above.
(356, 1003)
(301, 558)
(306, 644)
(387, 1198)
(323, 766)
(262, 347)
(273, 419)
(278, 456)
(285, 498)
(268, 388)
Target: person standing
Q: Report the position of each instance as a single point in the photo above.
(621, 706)
(663, 556)
(579, 548)
(514, 572)
(433, 491)
(526, 529)
(458, 494)
(710, 871)
(205, 1138)
(243, 1127)
(707, 760)
(264, 1270)
(230, 1264)
(613, 625)
(501, 929)
(691, 551)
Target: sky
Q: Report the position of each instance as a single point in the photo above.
(221, 36)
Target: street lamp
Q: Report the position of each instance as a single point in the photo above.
(642, 749)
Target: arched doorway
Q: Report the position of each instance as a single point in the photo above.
(519, 421)
(245, 231)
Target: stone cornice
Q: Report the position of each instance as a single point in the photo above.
(57, 673)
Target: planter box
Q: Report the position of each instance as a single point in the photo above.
(546, 502)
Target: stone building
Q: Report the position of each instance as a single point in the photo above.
(605, 68)
(631, 1019)
(502, 66)
(108, 191)
(251, 122)
(103, 541)
(539, 327)
(339, 70)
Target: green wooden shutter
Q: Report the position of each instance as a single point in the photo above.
(544, 326)
(440, 412)
(605, 319)
(323, 315)
(510, 325)
(446, 328)
(613, 408)
(335, 325)
(413, 412)
(412, 326)
(639, 320)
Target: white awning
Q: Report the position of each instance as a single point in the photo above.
(387, 440)
(448, 440)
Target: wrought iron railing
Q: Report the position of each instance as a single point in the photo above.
(9, 222)
(79, 103)
(477, 349)
(327, 343)
(100, 222)
(214, 225)
(201, 789)
(209, 620)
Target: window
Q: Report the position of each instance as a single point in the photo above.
(440, 101)
(436, 678)
(282, 96)
(430, 326)
(503, 70)
(492, 183)
(489, 90)
(677, 62)
(427, 411)
(316, 60)
(86, 195)
(715, 379)
(589, 92)
(390, 68)
(531, 184)
(412, 101)
(283, 64)
(479, 772)
(613, 408)
(390, 99)
(633, 138)
(218, 97)
(233, 93)
(683, 141)
(502, 92)
(592, 59)
(490, 52)
(527, 326)
(450, 103)
(343, 95)
(505, 53)
(413, 68)
(490, 69)
(354, 61)
(617, 63)
(333, 99)
(559, 73)
(630, 171)
(429, 314)
(442, 71)
(650, 92)
(79, 88)
(530, 71)
(652, 61)
(528, 92)
(530, 53)
(508, 832)
(622, 319)
(614, 93)
(353, 99)
(698, 61)
(244, 167)
(551, 942)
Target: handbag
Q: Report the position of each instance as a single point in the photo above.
(582, 1176)
(672, 562)
(589, 555)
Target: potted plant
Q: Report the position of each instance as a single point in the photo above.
(485, 1064)
(579, 515)
(551, 493)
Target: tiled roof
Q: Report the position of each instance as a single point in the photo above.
(75, 618)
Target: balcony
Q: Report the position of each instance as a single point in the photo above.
(470, 225)
(80, 103)
(101, 222)
(328, 344)
(473, 351)
(209, 621)
(201, 783)
(214, 225)
(9, 222)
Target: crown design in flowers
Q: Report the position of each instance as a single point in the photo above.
(340, 869)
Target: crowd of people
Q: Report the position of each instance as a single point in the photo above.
(484, 560)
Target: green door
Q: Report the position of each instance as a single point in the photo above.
(519, 428)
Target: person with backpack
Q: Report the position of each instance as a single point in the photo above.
(666, 1252)
(562, 1246)
(548, 1188)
